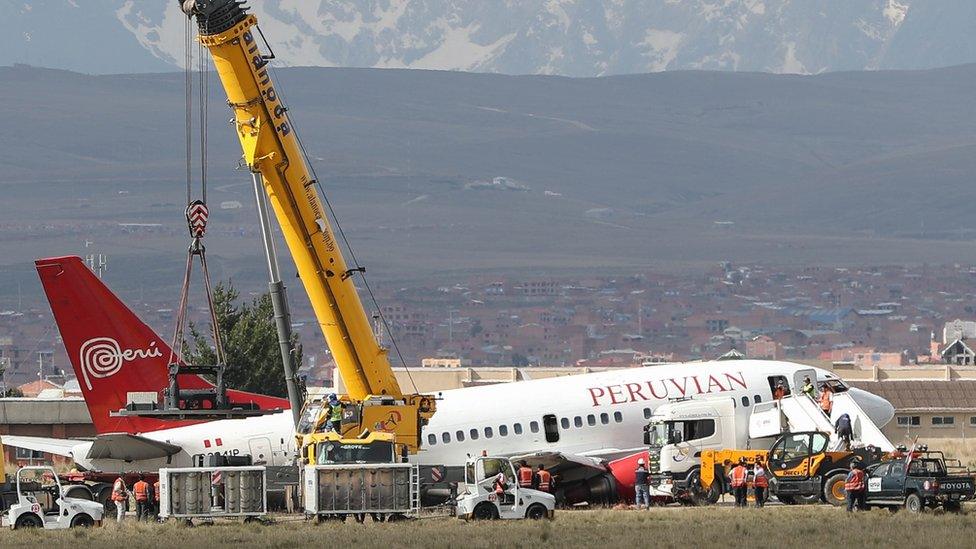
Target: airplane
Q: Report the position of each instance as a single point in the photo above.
(574, 424)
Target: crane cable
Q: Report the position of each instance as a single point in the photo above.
(342, 234)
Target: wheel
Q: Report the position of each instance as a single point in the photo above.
(786, 500)
(833, 490)
(485, 510)
(82, 520)
(811, 499)
(699, 495)
(104, 496)
(536, 511)
(28, 520)
(914, 503)
(952, 507)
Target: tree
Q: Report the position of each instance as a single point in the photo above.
(250, 343)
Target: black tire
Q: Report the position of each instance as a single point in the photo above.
(104, 496)
(914, 503)
(786, 500)
(952, 506)
(485, 510)
(82, 520)
(833, 490)
(700, 496)
(28, 520)
(811, 499)
(536, 511)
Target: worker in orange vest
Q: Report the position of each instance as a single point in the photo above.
(156, 497)
(760, 483)
(500, 486)
(737, 480)
(120, 495)
(854, 486)
(826, 399)
(543, 480)
(525, 475)
(141, 491)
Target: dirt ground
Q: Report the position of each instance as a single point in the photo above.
(774, 526)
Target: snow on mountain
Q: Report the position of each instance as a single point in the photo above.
(567, 37)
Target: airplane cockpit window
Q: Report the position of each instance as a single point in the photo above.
(836, 385)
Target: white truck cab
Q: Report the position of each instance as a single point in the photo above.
(45, 505)
(477, 499)
(678, 432)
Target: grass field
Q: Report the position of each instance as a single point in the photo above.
(776, 526)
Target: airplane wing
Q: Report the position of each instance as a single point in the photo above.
(570, 467)
(126, 447)
(56, 446)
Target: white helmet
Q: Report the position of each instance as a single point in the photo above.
(640, 461)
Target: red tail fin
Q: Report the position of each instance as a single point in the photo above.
(113, 352)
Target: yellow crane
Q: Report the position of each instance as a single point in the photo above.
(272, 150)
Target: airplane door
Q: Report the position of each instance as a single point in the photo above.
(798, 379)
(260, 450)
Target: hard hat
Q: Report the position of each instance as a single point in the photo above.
(640, 461)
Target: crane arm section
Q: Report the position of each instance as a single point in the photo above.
(271, 148)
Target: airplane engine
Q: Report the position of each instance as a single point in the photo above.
(623, 471)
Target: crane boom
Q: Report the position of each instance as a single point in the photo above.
(272, 149)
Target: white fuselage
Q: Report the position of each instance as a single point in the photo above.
(599, 414)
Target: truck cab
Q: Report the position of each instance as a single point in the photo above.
(676, 435)
(42, 503)
(477, 498)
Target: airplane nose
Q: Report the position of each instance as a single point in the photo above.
(878, 409)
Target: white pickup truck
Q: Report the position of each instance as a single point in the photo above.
(477, 500)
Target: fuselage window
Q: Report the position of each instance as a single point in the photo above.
(552, 430)
(745, 401)
(578, 421)
(604, 418)
(431, 439)
(647, 413)
(591, 420)
(446, 438)
(474, 434)
(459, 436)
(564, 422)
(533, 426)
(618, 417)
(757, 399)
(503, 430)
(488, 432)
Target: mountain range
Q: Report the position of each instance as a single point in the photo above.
(564, 37)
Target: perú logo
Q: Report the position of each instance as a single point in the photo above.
(103, 357)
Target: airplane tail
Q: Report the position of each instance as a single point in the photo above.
(112, 351)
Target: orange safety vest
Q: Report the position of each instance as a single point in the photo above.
(156, 490)
(760, 480)
(856, 483)
(118, 490)
(825, 400)
(525, 477)
(141, 490)
(545, 480)
(738, 476)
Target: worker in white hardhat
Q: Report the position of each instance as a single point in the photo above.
(641, 486)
